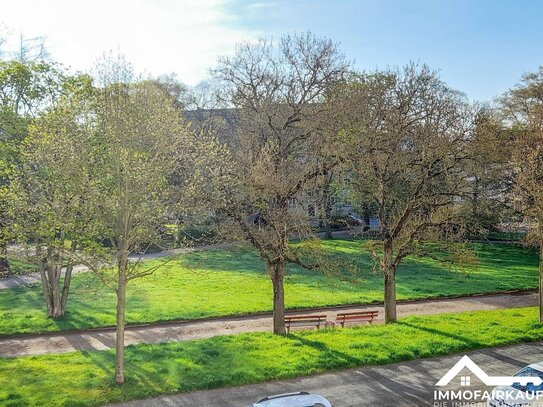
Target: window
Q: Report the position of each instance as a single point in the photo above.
(528, 372)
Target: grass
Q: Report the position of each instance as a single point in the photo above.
(86, 378)
(507, 236)
(220, 282)
(18, 266)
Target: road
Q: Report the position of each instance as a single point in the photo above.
(398, 385)
(102, 339)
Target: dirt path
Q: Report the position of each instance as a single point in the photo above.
(102, 339)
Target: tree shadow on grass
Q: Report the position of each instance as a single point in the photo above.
(94, 314)
(338, 359)
(140, 380)
(104, 360)
(467, 341)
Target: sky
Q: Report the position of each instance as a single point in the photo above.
(480, 47)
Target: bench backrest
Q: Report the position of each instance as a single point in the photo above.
(303, 318)
(356, 315)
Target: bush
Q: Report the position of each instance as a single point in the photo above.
(200, 234)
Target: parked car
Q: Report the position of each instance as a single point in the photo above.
(518, 395)
(300, 399)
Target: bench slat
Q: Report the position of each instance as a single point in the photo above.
(304, 320)
(352, 318)
(308, 321)
(358, 313)
(344, 317)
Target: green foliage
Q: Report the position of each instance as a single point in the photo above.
(54, 187)
(222, 282)
(85, 378)
(27, 87)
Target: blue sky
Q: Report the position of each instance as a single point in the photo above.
(481, 47)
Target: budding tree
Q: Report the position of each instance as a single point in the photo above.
(151, 164)
(407, 135)
(284, 140)
(523, 112)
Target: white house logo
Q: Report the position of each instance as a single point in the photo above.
(467, 363)
(503, 391)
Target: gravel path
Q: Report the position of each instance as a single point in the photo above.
(102, 339)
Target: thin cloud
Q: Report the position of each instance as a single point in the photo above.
(157, 36)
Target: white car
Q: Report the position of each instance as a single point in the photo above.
(518, 395)
(301, 399)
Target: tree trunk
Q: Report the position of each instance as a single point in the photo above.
(121, 309)
(46, 289)
(47, 276)
(55, 288)
(389, 273)
(67, 280)
(366, 216)
(50, 274)
(328, 213)
(4, 264)
(390, 296)
(277, 275)
(328, 229)
(541, 274)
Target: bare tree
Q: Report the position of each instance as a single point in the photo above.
(283, 141)
(28, 50)
(407, 135)
(31, 49)
(3, 39)
(206, 111)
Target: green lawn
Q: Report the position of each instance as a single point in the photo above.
(86, 378)
(221, 282)
(19, 266)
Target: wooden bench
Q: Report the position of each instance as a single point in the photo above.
(360, 316)
(304, 320)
